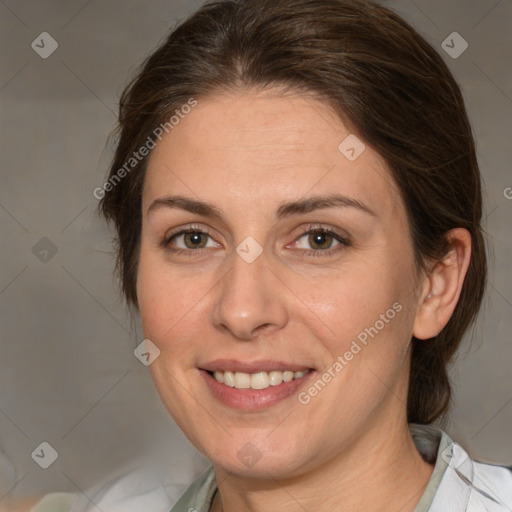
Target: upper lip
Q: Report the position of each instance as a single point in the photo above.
(233, 365)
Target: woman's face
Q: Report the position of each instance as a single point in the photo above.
(257, 290)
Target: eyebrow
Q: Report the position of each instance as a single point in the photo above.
(300, 207)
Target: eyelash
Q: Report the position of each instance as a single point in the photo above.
(343, 242)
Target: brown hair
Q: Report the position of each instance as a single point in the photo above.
(377, 72)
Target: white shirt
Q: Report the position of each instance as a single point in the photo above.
(458, 484)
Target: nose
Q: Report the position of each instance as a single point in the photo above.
(251, 300)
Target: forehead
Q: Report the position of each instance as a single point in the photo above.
(262, 147)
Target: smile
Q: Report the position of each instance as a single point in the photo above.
(259, 380)
(253, 386)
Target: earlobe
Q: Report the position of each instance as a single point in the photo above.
(442, 287)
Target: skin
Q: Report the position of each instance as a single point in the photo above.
(24, 505)
(247, 153)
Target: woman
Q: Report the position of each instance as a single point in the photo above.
(298, 204)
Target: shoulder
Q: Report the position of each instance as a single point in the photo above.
(472, 484)
(134, 491)
(54, 502)
(494, 479)
(130, 492)
(147, 488)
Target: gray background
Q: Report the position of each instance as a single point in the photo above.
(68, 375)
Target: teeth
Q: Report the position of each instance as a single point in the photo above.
(229, 379)
(242, 380)
(287, 376)
(260, 380)
(275, 378)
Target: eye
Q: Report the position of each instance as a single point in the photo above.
(317, 241)
(321, 240)
(189, 240)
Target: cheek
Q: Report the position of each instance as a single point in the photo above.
(174, 308)
(365, 324)
(348, 301)
(153, 295)
(162, 302)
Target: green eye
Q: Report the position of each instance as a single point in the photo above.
(321, 240)
(194, 239)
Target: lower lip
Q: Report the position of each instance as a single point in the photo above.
(253, 399)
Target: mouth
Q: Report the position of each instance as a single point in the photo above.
(253, 386)
(258, 380)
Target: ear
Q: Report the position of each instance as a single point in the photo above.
(441, 288)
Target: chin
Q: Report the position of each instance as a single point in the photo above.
(259, 459)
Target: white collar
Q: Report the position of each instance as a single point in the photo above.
(471, 486)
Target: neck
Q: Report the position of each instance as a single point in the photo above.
(382, 471)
